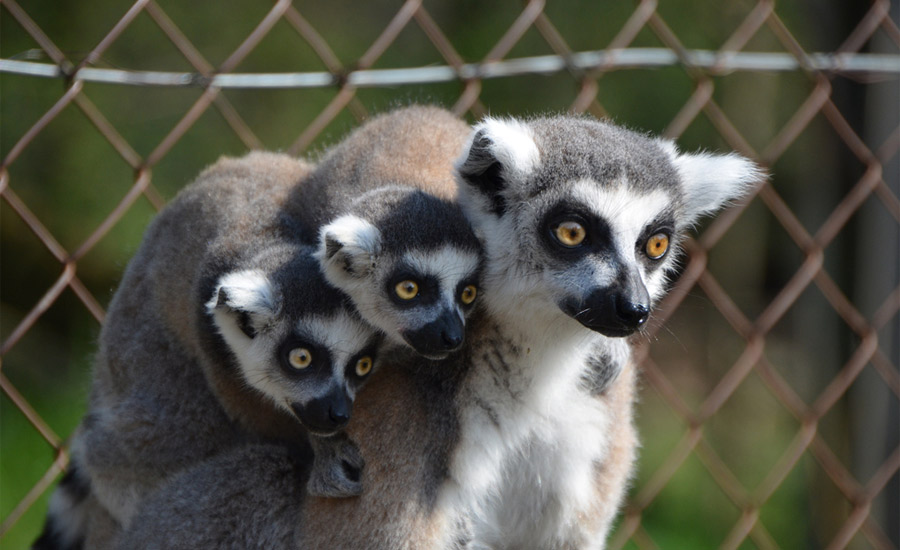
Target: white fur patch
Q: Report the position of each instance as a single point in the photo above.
(360, 244)
(448, 264)
(354, 231)
(254, 356)
(525, 468)
(69, 516)
(512, 144)
(343, 335)
(710, 180)
(248, 290)
(627, 213)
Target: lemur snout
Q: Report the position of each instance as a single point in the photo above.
(617, 310)
(630, 313)
(340, 417)
(439, 337)
(326, 414)
(452, 338)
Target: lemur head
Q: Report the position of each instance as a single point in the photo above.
(410, 262)
(294, 337)
(584, 217)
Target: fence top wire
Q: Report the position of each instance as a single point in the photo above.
(873, 65)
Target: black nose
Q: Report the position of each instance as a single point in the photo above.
(325, 414)
(453, 338)
(631, 314)
(339, 415)
(439, 337)
(616, 310)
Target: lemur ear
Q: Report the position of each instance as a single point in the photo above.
(246, 300)
(710, 180)
(348, 247)
(499, 151)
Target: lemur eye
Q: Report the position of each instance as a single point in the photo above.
(363, 366)
(570, 233)
(657, 245)
(300, 358)
(468, 294)
(407, 290)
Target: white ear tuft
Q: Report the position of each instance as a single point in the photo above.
(499, 151)
(348, 248)
(711, 180)
(249, 291)
(243, 302)
(512, 144)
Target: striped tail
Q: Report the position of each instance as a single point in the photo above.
(65, 526)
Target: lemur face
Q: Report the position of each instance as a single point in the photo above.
(604, 254)
(300, 344)
(411, 264)
(585, 216)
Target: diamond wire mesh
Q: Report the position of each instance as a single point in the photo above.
(723, 341)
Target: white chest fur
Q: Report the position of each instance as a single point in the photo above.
(530, 436)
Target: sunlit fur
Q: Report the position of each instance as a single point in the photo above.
(383, 197)
(525, 438)
(701, 175)
(529, 465)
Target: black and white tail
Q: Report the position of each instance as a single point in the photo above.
(65, 526)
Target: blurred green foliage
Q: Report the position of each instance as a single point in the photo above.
(70, 177)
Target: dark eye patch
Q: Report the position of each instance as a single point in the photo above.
(665, 224)
(321, 358)
(598, 234)
(428, 288)
(473, 281)
(371, 350)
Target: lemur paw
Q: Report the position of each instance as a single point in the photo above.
(337, 468)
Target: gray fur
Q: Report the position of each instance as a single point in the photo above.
(381, 202)
(505, 445)
(212, 505)
(167, 390)
(337, 467)
(602, 370)
(523, 453)
(389, 149)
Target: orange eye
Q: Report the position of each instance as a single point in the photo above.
(468, 294)
(570, 233)
(364, 366)
(300, 358)
(406, 290)
(657, 245)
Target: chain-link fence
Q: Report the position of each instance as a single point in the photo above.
(769, 408)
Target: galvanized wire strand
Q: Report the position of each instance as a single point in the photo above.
(715, 62)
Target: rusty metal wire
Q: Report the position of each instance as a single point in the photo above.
(587, 68)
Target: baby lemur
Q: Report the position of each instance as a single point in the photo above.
(525, 438)
(223, 331)
(388, 234)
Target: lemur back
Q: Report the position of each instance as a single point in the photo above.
(152, 344)
(411, 147)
